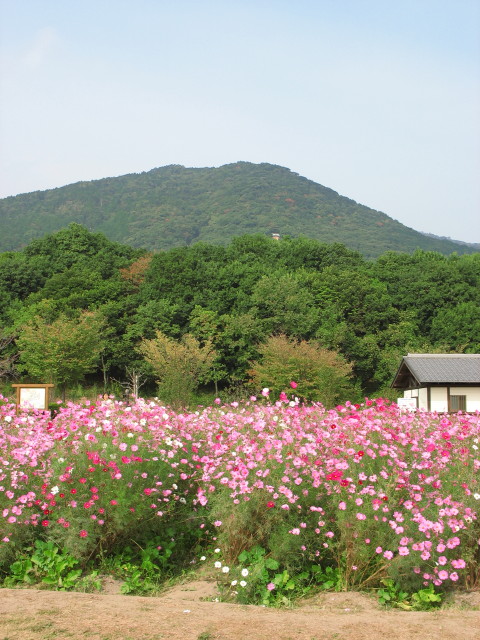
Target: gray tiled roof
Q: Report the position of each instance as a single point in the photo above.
(447, 368)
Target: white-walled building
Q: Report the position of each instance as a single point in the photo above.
(440, 381)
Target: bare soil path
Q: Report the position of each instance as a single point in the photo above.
(187, 612)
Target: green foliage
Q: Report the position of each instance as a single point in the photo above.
(7, 355)
(180, 366)
(176, 206)
(321, 375)
(258, 578)
(459, 327)
(62, 351)
(143, 570)
(391, 595)
(234, 297)
(89, 583)
(46, 564)
(425, 599)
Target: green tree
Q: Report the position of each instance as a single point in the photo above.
(284, 305)
(458, 327)
(180, 366)
(7, 355)
(61, 351)
(321, 375)
(205, 326)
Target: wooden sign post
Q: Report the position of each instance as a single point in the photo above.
(33, 396)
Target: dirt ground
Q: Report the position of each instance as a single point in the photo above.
(188, 612)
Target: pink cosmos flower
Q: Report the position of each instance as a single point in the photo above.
(293, 384)
(459, 564)
(270, 586)
(453, 542)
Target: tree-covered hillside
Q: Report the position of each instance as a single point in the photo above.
(175, 206)
(234, 298)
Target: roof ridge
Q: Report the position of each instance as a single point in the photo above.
(442, 355)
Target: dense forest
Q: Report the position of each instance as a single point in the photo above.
(175, 206)
(234, 298)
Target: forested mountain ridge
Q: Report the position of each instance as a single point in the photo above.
(175, 206)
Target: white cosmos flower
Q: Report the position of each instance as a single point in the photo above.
(242, 583)
(233, 583)
(244, 573)
(225, 569)
(217, 565)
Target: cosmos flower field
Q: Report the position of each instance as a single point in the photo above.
(369, 490)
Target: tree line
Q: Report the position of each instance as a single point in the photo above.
(230, 317)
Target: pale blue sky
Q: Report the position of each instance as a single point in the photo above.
(377, 99)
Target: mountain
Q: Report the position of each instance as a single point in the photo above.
(173, 206)
(474, 245)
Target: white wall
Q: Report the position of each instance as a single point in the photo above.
(423, 398)
(439, 397)
(473, 396)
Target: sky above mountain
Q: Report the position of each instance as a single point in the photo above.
(377, 100)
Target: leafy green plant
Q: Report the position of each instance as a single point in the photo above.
(143, 569)
(22, 571)
(392, 595)
(89, 583)
(260, 579)
(46, 564)
(328, 578)
(423, 599)
(136, 581)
